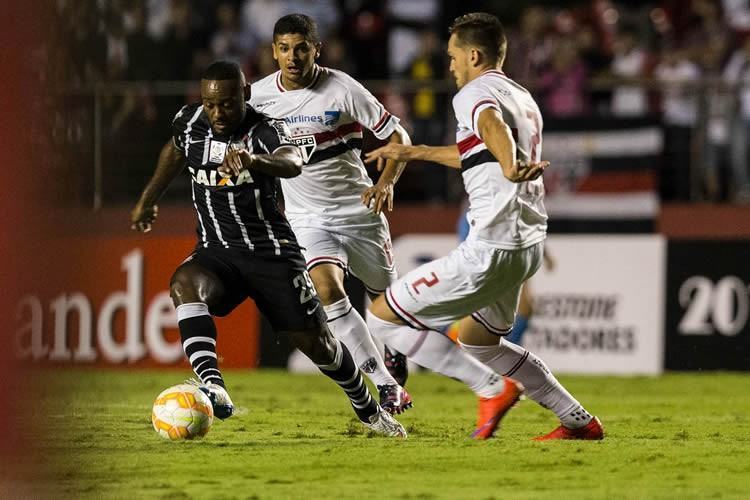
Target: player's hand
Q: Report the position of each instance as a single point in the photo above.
(379, 196)
(391, 151)
(142, 217)
(524, 171)
(233, 163)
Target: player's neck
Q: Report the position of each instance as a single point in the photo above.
(480, 70)
(302, 83)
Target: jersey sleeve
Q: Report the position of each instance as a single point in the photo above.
(179, 128)
(468, 105)
(271, 135)
(368, 111)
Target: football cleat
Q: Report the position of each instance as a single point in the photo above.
(383, 423)
(394, 398)
(492, 410)
(397, 366)
(591, 431)
(220, 400)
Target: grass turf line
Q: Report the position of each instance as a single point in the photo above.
(677, 436)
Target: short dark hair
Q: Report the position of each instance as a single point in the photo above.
(299, 24)
(223, 70)
(483, 31)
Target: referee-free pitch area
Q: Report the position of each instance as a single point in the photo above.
(676, 436)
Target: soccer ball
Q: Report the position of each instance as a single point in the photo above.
(182, 412)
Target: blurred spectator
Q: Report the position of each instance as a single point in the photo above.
(230, 41)
(428, 107)
(563, 85)
(738, 72)
(737, 15)
(260, 16)
(530, 47)
(679, 106)
(142, 55)
(629, 62)
(334, 54)
(183, 39)
(596, 61)
(717, 103)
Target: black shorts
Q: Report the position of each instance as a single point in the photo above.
(280, 286)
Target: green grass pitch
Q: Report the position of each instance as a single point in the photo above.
(676, 436)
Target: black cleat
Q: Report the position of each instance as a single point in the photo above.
(220, 400)
(397, 366)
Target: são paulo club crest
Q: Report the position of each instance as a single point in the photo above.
(331, 117)
(307, 145)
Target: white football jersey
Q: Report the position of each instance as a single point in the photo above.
(502, 213)
(326, 120)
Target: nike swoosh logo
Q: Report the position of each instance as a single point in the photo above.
(311, 311)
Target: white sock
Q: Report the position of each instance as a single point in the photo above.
(438, 353)
(348, 326)
(514, 361)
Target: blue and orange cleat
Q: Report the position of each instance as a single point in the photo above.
(492, 410)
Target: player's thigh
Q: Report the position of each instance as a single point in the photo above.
(284, 293)
(436, 293)
(511, 271)
(497, 318)
(207, 276)
(320, 246)
(370, 253)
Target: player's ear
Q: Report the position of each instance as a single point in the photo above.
(273, 49)
(318, 46)
(475, 57)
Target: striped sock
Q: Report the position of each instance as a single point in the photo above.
(198, 334)
(345, 373)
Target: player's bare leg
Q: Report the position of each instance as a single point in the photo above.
(347, 325)
(541, 385)
(440, 354)
(194, 289)
(334, 360)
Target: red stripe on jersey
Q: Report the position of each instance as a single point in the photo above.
(380, 122)
(467, 144)
(474, 109)
(339, 132)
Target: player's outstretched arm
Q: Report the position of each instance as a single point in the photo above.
(284, 162)
(381, 194)
(445, 155)
(170, 164)
(497, 137)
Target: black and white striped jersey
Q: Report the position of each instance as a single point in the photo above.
(240, 212)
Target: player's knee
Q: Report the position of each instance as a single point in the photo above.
(182, 288)
(330, 291)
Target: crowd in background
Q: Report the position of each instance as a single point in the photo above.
(595, 57)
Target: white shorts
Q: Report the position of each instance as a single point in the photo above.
(363, 250)
(474, 279)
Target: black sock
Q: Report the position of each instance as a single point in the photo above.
(345, 373)
(198, 335)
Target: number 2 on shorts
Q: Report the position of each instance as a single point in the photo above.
(424, 281)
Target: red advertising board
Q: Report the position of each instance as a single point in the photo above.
(105, 301)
